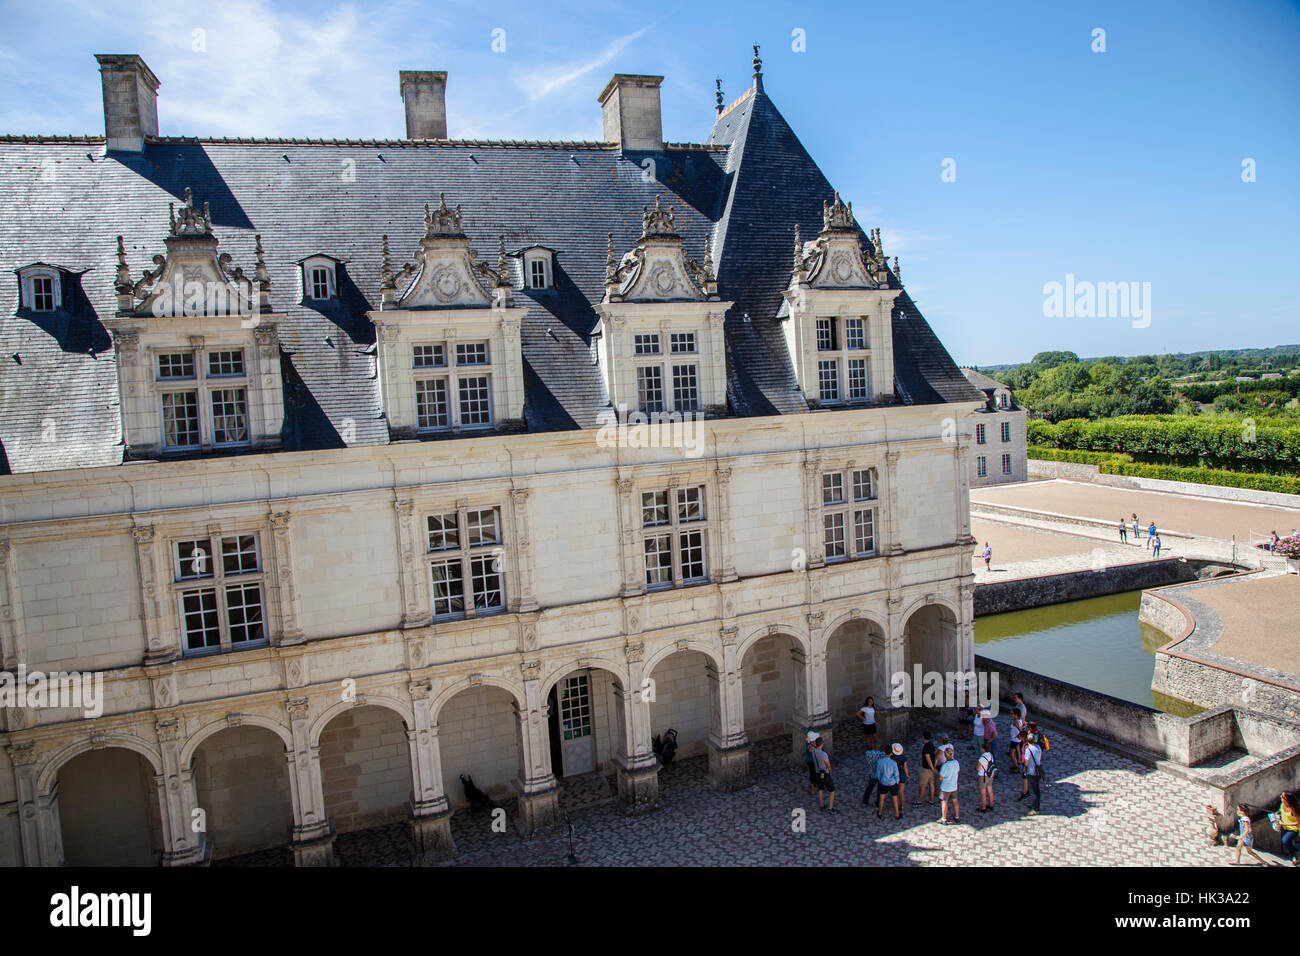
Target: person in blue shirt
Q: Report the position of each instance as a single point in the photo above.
(948, 787)
(887, 775)
(873, 756)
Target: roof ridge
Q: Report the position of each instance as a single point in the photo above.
(92, 138)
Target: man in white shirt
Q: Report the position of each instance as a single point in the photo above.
(1024, 711)
(1033, 761)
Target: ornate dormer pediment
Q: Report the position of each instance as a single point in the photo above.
(445, 273)
(657, 270)
(193, 278)
(835, 260)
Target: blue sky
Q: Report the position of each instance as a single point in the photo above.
(1117, 166)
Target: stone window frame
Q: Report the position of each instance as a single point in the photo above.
(1006, 431)
(675, 529)
(1006, 464)
(840, 354)
(309, 266)
(667, 362)
(981, 467)
(848, 507)
(466, 555)
(27, 277)
(543, 258)
(450, 372)
(980, 438)
(203, 384)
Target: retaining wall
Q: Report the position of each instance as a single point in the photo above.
(1022, 593)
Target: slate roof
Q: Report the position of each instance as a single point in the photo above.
(982, 381)
(62, 201)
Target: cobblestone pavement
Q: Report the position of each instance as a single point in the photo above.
(1099, 809)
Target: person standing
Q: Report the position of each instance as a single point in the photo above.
(1155, 547)
(1288, 814)
(873, 757)
(809, 746)
(1033, 758)
(928, 770)
(986, 770)
(1123, 532)
(887, 775)
(990, 728)
(977, 730)
(948, 771)
(867, 714)
(904, 776)
(825, 784)
(1245, 837)
(1151, 533)
(1024, 711)
(1272, 542)
(1013, 751)
(988, 555)
(1137, 536)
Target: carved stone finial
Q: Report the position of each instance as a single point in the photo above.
(188, 221)
(442, 221)
(836, 215)
(758, 63)
(898, 273)
(658, 221)
(708, 258)
(717, 96)
(259, 271)
(386, 280)
(122, 284)
(503, 270)
(798, 250)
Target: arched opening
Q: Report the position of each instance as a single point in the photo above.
(108, 810)
(365, 764)
(242, 781)
(930, 640)
(585, 710)
(855, 668)
(478, 737)
(767, 675)
(682, 701)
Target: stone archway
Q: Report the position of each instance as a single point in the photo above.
(855, 668)
(684, 700)
(108, 810)
(242, 781)
(365, 763)
(930, 639)
(478, 736)
(768, 675)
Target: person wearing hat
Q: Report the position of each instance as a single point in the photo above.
(887, 774)
(904, 777)
(990, 728)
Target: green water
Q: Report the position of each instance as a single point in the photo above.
(1096, 643)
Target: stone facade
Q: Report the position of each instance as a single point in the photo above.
(999, 450)
(363, 706)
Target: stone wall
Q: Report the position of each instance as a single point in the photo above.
(767, 674)
(478, 735)
(365, 768)
(1016, 595)
(1041, 468)
(109, 806)
(1200, 682)
(682, 689)
(243, 788)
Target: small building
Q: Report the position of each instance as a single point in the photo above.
(998, 452)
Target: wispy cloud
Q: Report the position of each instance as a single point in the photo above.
(537, 84)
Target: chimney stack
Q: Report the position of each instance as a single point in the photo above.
(425, 94)
(130, 101)
(630, 105)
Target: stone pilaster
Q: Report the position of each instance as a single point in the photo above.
(161, 642)
(961, 464)
(539, 794)
(417, 610)
(38, 813)
(430, 810)
(312, 837)
(814, 539)
(728, 744)
(13, 642)
(636, 766)
(629, 519)
(725, 537)
(810, 710)
(523, 597)
(286, 590)
(893, 544)
(184, 839)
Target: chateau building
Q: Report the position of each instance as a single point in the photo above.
(999, 428)
(348, 468)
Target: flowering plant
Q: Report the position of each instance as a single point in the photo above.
(1288, 547)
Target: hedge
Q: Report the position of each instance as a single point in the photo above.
(1074, 455)
(1204, 476)
(1184, 440)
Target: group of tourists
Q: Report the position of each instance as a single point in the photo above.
(1153, 539)
(1286, 821)
(889, 774)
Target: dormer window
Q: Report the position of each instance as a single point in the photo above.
(204, 399)
(319, 282)
(451, 397)
(842, 377)
(41, 288)
(538, 269)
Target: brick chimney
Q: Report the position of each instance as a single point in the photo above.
(424, 92)
(630, 105)
(130, 101)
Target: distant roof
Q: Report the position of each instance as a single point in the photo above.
(745, 188)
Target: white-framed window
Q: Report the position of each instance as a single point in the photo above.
(464, 548)
(1004, 400)
(665, 383)
(219, 583)
(538, 269)
(982, 467)
(319, 281)
(843, 360)
(1006, 431)
(203, 398)
(41, 289)
(451, 395)
(979, 434)
(1006, 464)
(849, 514)
(674, 529)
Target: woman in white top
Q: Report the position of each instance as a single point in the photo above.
(867, 714)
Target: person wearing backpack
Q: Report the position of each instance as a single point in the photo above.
(887, 774)
(986, 770)
(1040, 738)
(1033, 757)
